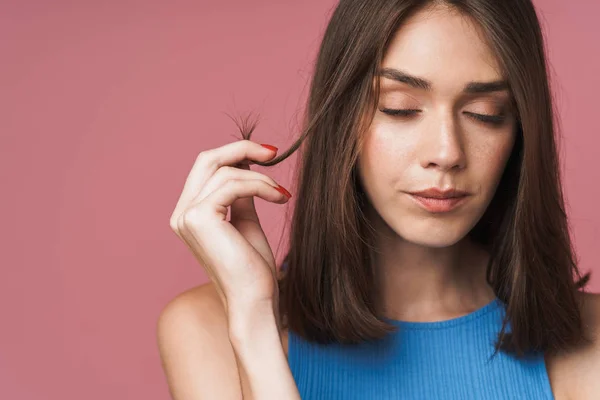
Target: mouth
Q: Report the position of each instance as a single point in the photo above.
(439, 204)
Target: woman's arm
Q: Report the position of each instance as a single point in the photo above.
(261, 360)
(238, 259)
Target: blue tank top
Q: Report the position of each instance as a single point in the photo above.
(439, 360)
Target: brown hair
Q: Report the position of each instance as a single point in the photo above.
(327, 292)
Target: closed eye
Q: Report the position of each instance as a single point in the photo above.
(488, 119)
(402, 113)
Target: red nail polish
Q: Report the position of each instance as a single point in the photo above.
(281, 189)
(268, 146)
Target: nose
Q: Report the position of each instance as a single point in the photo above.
(442, 145)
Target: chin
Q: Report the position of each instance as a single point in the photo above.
(433, 242)
(443, 234)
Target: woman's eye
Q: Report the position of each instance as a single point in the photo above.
(488, 119)
(401, 113)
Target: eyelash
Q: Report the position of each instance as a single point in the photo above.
(494, 120)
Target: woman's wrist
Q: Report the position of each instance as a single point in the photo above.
(250, 323)
(256, 341)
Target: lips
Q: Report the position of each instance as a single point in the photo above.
(436, 193)
(437, 201)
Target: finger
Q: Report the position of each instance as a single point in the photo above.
(244, 207)
(241, 208)
(243, 214)
(210, 161)
(218, 201)
(239, 151)
(235, 190)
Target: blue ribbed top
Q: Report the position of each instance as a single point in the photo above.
(448, 359)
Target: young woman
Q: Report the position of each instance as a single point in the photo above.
(429, 255)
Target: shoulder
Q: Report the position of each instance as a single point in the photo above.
(193, 312)
(193, 341)
(574, 374)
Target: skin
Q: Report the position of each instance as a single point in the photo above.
(428, 270)
(440, 146)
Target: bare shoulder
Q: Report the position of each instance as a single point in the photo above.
(193, 341)
(574, 374)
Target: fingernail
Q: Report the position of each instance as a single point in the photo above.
(281, 189)
(268, 146)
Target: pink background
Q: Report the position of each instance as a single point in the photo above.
(103, 108)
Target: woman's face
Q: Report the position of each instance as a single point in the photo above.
(459, 136)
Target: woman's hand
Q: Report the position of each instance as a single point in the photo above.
(235, 254)
(240, 263)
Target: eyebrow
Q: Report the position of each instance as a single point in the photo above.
(420, 83)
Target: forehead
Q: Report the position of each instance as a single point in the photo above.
(444, 46)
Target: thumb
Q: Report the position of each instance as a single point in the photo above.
(243, 208)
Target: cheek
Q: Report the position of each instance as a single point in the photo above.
(389, 148)
(383, 157)
(490, 161)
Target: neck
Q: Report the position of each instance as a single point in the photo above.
(420, 283)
